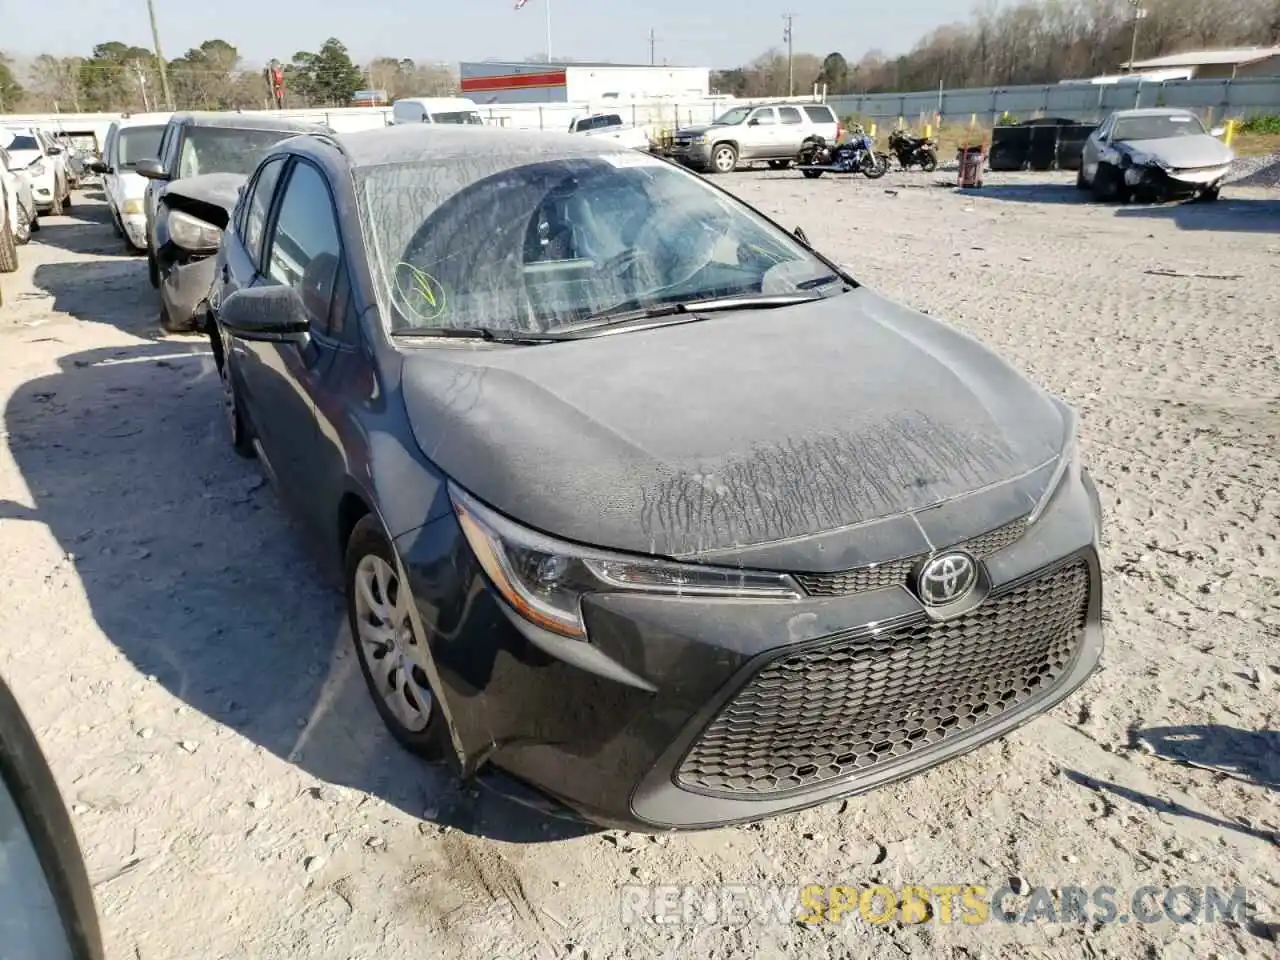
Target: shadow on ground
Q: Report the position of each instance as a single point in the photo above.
(1251, 756)
(113, 291)
(194, 573)
(1029, 192)
(1227, 215)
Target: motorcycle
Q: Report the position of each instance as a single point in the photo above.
(855, 155)
(911, 151)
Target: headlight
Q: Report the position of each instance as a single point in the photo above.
(700, 138)
(1069, 464)
(192, 233)
(544, 579)
(37, 169)
(133, 206)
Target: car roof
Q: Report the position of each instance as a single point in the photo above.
(407, 142)
(244, 121)
(1153, 112)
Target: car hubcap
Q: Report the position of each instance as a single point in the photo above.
(724, 160)
(386, 638)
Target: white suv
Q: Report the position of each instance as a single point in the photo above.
(770, 132)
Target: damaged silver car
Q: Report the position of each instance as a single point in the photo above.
(1154, 155)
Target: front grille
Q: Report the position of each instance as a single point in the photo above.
(852, 705)
(893, 572)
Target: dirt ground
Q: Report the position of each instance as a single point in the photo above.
(236, 796)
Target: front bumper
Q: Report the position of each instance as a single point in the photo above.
(1162, 182)
(184, 287)
(42, 194)
(666, 716)
(135, 229)
(691, 154)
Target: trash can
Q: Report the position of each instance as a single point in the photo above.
(971, 160)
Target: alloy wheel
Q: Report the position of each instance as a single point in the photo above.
(386, 638)
(726, 159)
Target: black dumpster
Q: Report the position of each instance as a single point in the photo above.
(1010, 147)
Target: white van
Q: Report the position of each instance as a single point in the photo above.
(127, 142)
(435, 110)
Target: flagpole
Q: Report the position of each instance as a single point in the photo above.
(547, 4)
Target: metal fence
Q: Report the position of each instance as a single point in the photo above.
(1072, 101)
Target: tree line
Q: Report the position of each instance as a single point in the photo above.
(118, 77)
(1033, 41)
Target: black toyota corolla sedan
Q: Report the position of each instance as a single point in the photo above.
(638, 498)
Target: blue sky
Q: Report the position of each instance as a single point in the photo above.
(705, 32)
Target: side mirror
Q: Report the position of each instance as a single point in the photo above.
(46, 902)
(274, 313)
(753, 122)
(151, 169)
(1218, 131)
(97, 166)
(53, 151)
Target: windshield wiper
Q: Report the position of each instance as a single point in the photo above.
(625, 313)
(480, 333)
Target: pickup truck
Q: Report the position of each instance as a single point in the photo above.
(610, 125)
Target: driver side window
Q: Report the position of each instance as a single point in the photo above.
(763, 117)
(306, 247)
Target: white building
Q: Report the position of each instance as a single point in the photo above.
(500, 83)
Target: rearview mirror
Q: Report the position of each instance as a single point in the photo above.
(274, 313)
(46, 902)
(1218, 131)
(97, 166)
(151, 169)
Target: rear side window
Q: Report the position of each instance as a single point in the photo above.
(820, 114)
(789, 114)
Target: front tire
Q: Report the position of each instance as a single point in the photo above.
(383, 633)
(1210, 195)
(8, 248)
(237, 424)
(1108, 185)
(779, 164)
(929, 162)
(813, 174)
(22, 235)
(153, 269)
(724, 158)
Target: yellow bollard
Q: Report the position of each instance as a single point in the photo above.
(928, 130)
(1231, 132)
(872, 131)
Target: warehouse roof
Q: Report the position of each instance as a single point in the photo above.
(1207, 58)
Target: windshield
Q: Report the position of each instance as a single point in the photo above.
(500, 242)
(1158, 128)
(226, 149)
(733, 117)
(19, 141)
(137, 143)
(459, 116)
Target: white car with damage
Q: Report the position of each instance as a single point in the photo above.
(1153, 155)
(126, 143)
(611, 127)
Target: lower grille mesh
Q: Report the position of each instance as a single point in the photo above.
(852, 705)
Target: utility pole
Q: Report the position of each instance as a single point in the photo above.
(155, 38)
(141, 74)
(1138, 14)
(791, 62)
(653, 47)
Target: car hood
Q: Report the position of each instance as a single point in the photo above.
(218, 189)
(24, 158)
(743, 429)
(694, 131)
(1184, 152)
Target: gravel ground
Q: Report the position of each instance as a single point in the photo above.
(236, 797)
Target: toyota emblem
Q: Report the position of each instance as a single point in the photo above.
(946, 578)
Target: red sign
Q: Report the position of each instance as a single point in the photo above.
(513, 81)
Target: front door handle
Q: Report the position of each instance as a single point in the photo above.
(226, 274)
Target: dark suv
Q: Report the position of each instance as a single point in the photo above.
(194, 145)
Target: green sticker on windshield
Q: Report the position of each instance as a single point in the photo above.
(419, 294)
